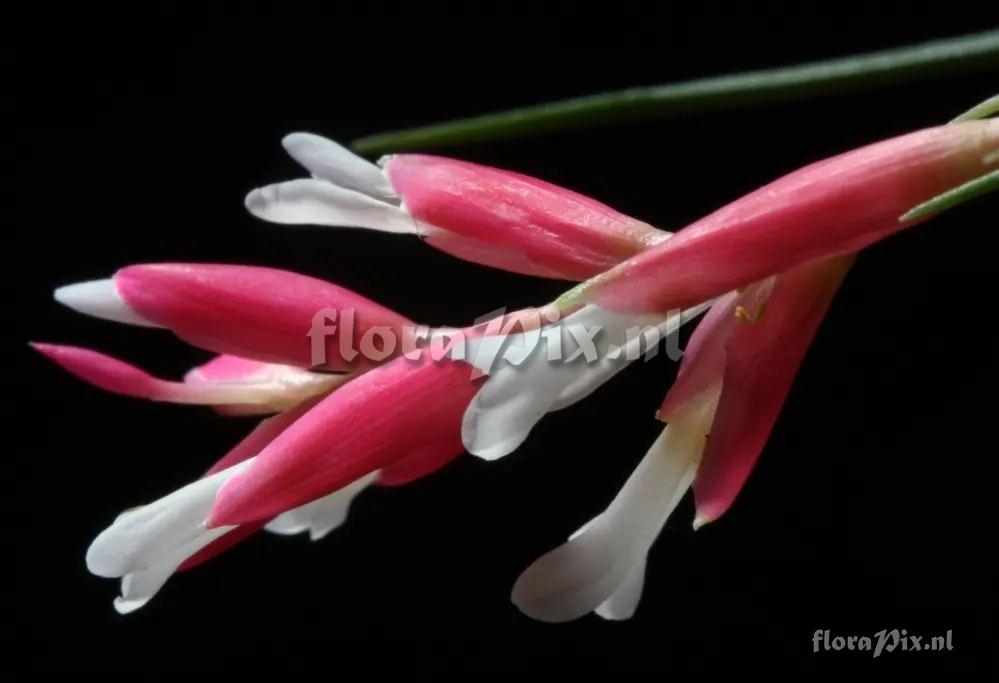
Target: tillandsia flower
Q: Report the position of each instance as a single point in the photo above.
(501, 412)
(481, 214)
(736, 372)
(403, 415)
(252, 312)
(735, 376)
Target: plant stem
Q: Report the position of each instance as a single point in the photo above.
(932, 59)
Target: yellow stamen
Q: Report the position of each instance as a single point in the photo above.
(752, 318)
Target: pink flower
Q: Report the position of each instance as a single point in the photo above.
(481, 214)
(835, 206)
(736, 372)
(248, 311)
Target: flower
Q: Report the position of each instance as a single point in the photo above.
(767, 265)
(247, 311)
(395, 411)
(836, 206)
(481, 214)
(744, 355)
(734, 378)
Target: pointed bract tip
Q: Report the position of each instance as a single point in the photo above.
(57, 353)
(44, 348)
(220, 513)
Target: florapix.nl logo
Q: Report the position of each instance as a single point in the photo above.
(881, 642)
(512, 338)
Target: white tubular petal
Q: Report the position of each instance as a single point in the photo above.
(327, 160)
(597, 567)
(139, 587)
(518, 394)
(99, 298)
(317, 202)
(323, 515)
(142, 537)
(624, 601)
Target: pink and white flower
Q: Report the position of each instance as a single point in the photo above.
(768, 264)
(734, 378)
(798, 234)
(480, 214)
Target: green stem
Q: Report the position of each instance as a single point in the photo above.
(982, 110)
(951, 198)
(932, 59)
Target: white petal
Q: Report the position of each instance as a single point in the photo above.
(327, 160)
(139, 587)
(317, 202)
(323, 515)
(99, 298)
(141, 537)
(594, 566)
(624, 601)
(517, 396)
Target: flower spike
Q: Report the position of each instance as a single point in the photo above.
(767, 265)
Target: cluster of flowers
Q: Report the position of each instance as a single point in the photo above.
(765, 267)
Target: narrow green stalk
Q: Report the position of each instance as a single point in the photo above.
(932, 59)
(982, 110)
(951, 198)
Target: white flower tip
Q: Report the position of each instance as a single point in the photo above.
(494, 452)
(128, 605)
(319, 533)
(103, 557)
(100, 299)
(605, 611)
(623, 602)
(565, 583)
(285, 525)
(490, 439)
(293, 143)
(334, 163)
(259, 201)
(537, 608)
(699, 521)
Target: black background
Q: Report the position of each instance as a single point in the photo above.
(134, 139)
